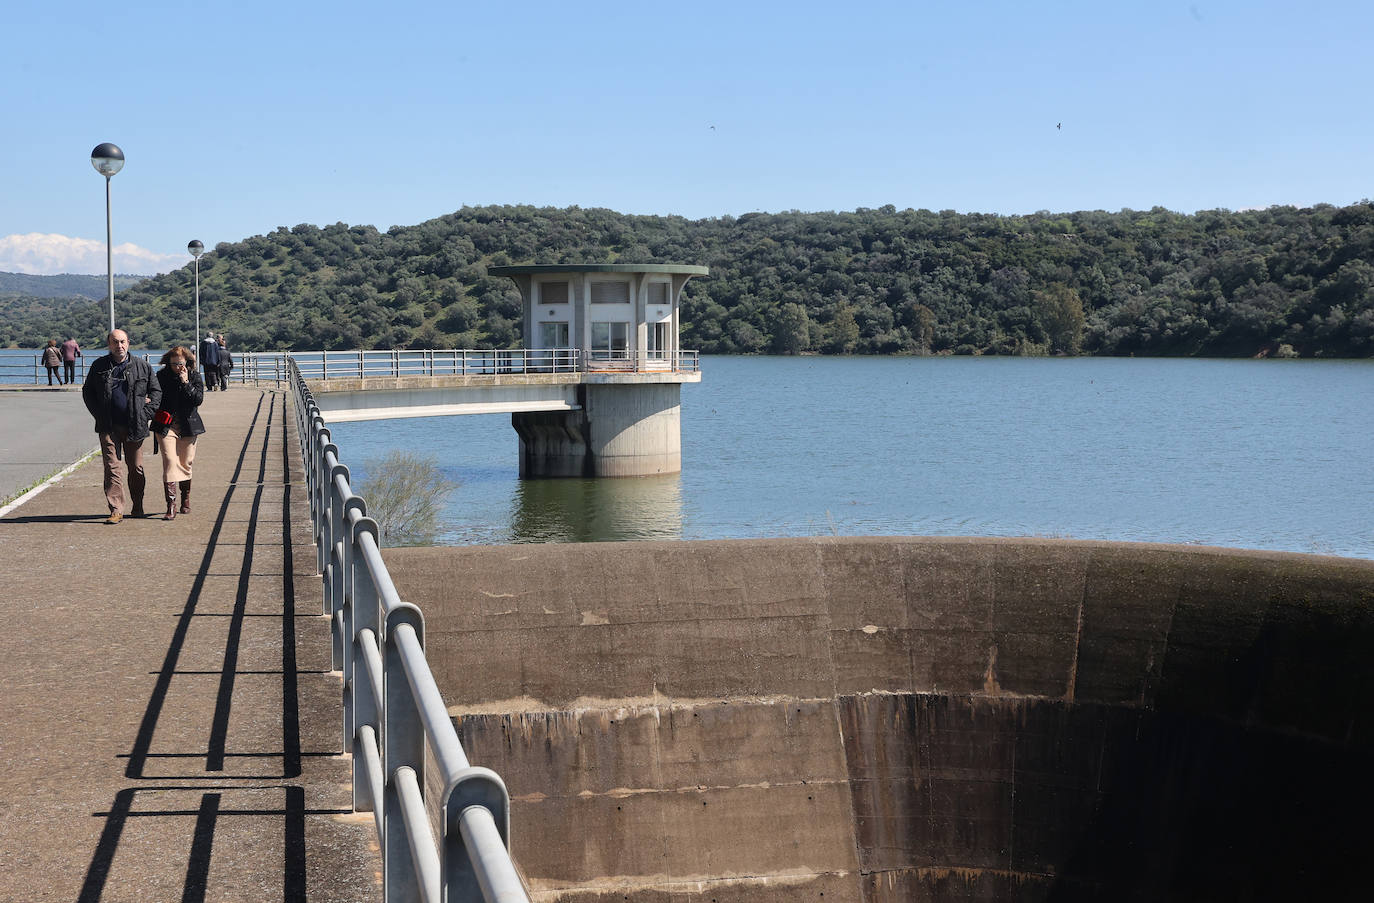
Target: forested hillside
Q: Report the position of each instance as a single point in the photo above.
(885, 281)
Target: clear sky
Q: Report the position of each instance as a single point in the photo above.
(236, 118)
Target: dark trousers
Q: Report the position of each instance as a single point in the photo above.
(223, 379)
(52, 371)
(211, 376)
(69, 368)
(112, 445)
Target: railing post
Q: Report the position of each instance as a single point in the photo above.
(334, 579)
(338, 541)
(361, 598)
(322, 538)
(463, 848)
(353, 508)
(329, 512)
(403, 741)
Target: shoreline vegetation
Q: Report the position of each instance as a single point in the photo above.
(1278, 282)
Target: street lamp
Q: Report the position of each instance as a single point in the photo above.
(108, 159)
(196, 248)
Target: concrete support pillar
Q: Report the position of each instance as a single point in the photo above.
(621, 431)
(552, 444)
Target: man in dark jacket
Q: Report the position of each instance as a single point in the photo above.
(226, 362)
(121, 394)
(209, 361)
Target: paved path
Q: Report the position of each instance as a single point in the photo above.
(169, 726)
(42, 430)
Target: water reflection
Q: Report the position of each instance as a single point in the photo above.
(597, 510)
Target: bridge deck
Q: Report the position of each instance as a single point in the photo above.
(170, 723)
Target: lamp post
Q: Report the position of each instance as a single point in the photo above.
(108, 159)
(196, 248)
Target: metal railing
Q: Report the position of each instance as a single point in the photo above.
(392, 707)
(271, 366)
(454, 362)
(24, 368)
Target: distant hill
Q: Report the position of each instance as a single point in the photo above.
(67, 285)
(1284, 281)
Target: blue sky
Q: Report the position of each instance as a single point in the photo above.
(238, 118)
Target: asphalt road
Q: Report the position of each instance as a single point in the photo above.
(42, 430)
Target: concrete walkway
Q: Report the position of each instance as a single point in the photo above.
(169, 726)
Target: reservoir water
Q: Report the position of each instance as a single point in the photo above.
(1249, 454)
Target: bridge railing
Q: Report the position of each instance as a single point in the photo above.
(271, 366)
(392, 707)
(26, 368)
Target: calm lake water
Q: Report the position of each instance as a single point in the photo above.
(1251, 454)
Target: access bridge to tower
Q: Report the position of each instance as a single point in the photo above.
(594, 392)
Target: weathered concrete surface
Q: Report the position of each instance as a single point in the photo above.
(616, 431)
(172, 732)
(914, 719)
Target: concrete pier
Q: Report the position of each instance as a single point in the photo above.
(616, 431)
(914, 719)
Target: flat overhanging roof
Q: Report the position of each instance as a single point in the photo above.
(541, 268)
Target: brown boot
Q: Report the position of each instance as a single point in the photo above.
(137, 482)
(185, 496)
(115, 516)
(170, 491)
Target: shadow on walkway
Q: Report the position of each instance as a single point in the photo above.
(216, 798)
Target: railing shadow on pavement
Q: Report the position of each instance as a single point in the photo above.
(213, 787)
(392, 707)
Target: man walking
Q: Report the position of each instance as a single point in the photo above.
(70, 352)
(209, 361)
(121, 394)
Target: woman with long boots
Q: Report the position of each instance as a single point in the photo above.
(177, 423)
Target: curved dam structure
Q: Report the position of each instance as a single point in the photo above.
(885, 719)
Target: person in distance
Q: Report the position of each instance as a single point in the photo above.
(209, 360)
(226, 363)
(70, 352)
(52, 361)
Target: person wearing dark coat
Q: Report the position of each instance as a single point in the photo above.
(121, 394)
(52, 360)
(209, 361)
(177, 423)
(226, 362)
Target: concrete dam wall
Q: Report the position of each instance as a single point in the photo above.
(888, 719)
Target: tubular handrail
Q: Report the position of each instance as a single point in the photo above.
(392, 708)
(271, 366)
(428, 700)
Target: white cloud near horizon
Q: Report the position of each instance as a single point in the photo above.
(45, 254)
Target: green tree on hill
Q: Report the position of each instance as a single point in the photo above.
(868, 281)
